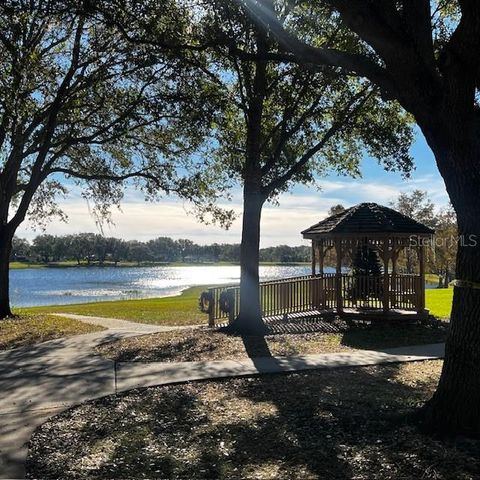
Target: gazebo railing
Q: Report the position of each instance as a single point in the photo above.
(406, 292)
(277, 297)
(362, 291)
(323, 292)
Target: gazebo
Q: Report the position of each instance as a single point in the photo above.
(380, 229)
(387, 294)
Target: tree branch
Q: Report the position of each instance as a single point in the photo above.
(465, 40)
(288, 134)
(144, 173)
(345, 118)
(302, 53)
(417, 15)
(47, 132)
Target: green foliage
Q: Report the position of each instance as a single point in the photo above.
(298, 123)
(442, 259)
(311, 120)
(443, 248)
(80, 101)
(366, 261)
(416, 205)
(90, 248)
(334, 209)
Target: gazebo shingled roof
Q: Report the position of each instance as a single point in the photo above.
(367, 218)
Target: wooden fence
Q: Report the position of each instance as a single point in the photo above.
(322, 292)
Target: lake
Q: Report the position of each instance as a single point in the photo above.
(55, 286)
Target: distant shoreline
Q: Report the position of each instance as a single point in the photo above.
(430, 278)
(73, 264)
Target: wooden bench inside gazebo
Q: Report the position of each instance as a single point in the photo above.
(388, 295)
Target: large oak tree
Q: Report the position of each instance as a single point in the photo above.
(79, 102)
(282, 124)
(425, 55)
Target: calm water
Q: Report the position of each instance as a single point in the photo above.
(52, 286)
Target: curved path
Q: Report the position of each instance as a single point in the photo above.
(41, 380)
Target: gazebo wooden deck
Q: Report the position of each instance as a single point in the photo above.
(386, 296)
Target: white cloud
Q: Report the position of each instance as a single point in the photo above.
(280, 224)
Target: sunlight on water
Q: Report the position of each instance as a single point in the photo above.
(50, 286)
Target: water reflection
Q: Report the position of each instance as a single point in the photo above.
(50, 286)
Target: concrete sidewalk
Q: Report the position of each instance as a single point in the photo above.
(136, 375)
(125, 325)
(42, 380)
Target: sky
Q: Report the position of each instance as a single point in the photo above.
(281, 224)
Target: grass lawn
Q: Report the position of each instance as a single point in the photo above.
(338, 424)
(195, 345)
(29, 329)
(439, 301)
(178, 310)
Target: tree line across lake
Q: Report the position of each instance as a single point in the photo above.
(91, 248)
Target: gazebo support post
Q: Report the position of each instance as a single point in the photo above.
(394, 288)
(321, 285)
(321, 256)
(421, 280)
(314, 257)
(386, 281)
(338, 276)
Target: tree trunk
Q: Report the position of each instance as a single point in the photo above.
(249, 320)
(5, 250)
(455, 406)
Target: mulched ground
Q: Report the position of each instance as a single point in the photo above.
(205, 344)
(338, 424)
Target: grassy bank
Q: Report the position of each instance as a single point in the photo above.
(338, 424)
(29, 329)
(23, 266)
(178, 310)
